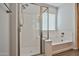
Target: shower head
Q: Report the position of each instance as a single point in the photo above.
(27, 5)
(24, 6)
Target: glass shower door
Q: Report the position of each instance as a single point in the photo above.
(33, 29)
(29, 35)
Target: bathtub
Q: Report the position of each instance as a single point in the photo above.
(52, 48)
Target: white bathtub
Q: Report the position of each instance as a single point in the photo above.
(61, 42)
(57, 43)
(54, 48)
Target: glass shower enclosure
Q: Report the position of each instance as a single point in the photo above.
(32, 22)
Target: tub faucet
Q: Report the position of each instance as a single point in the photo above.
(62, 40)
(62, 34)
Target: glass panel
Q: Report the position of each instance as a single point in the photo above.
(52, 21)
(44, 24)
(30, 38)
(44, 27)
(44, 21)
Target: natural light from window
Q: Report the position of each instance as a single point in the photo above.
(52, 21)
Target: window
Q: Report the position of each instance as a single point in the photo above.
(52, 22)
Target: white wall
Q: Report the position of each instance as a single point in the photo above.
(66, 20)
(4, 31)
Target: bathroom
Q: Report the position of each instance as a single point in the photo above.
(41, 27)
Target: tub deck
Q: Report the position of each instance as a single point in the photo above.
(54, 48)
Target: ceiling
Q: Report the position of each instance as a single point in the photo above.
(56, 4)
(35, 10)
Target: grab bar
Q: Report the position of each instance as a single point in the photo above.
(9, 10)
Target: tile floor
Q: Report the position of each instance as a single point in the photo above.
(66, 53)
(69, 53)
